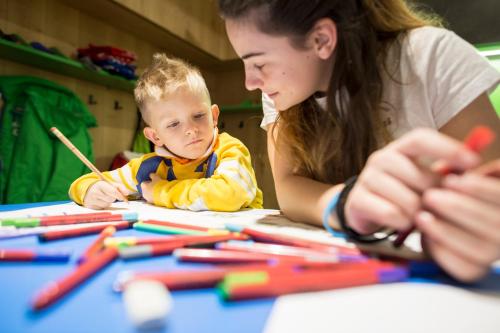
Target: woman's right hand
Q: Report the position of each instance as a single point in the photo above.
(388, 190)
(102, 194)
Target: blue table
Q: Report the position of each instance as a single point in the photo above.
(94, 307)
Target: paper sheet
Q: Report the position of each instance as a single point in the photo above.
(268, 220)
(392, 308)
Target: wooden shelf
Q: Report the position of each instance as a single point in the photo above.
(65, 66)
(29, 56)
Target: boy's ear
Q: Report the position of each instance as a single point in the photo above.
(324, 37)
(215, 113)
(151, 135)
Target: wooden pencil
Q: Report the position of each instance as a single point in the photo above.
(82, 157)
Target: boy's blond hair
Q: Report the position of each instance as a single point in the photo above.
(164, 77)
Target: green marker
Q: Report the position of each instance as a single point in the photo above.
(21, 222)
(237, 279)
(166, 230)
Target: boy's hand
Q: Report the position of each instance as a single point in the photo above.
(147, 187)
(102, 194)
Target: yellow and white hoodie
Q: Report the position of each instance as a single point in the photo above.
(222, 180)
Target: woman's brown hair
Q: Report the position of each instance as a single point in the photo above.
(334, 145)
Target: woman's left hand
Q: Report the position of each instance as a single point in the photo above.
(461, 227)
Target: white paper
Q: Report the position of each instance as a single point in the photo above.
(391, 308)
(266, 220)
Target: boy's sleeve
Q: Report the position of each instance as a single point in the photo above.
(124, 175)
(232, 186)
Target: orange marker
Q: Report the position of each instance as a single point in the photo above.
(82, 158)
(97, 245)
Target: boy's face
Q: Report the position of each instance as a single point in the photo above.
(184, 123)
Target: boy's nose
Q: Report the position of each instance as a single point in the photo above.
(192, 130)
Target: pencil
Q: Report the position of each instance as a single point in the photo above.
(82, 157)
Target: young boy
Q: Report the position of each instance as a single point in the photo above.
(193, 166)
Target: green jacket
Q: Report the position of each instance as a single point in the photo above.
(34, 165)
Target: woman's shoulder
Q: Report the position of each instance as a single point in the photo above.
(433, 41)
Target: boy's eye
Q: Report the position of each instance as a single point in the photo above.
(172, 125)
(259, 67)
(199, 115)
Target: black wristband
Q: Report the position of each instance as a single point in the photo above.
(351, 233)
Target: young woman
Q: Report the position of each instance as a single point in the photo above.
(371, 88)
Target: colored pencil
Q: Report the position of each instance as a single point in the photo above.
(84, 159)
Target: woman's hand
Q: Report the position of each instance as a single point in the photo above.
(463, 231)
(388, 191)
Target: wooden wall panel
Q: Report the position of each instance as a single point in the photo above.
(56, 23)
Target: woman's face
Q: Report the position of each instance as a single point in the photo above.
(287, 74)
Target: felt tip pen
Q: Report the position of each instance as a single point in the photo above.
(266, 237)
(234, 257)
(34, 255)
(209, 277)
(168, 246)
(186, 239)
(177, 225)
(68, 219)
(97, 244)
(478, 139)
(82, 231)
(56, 290)
(249, 285)
(143, 226)
(287, 251)
(13, 220)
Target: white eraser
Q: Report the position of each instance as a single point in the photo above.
(147, 303)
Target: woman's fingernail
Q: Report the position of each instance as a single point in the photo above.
(451, 181)
(425, 217)
(470, 159)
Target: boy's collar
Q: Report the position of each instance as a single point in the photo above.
(165, 152)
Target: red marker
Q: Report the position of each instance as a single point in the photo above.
(206, 278)
(97, 244)
(287, 251)
(55, 290)
(249, 285)
(185, 239)
(46, 221)
(478, 139)
(34, 255)
(294, 241)
(82, 231)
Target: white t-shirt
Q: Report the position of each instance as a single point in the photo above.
(441, 74)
